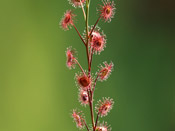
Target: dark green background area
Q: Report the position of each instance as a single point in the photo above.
(38, 92)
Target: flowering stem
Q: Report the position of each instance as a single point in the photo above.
(83, 10)
(85, 124)
(79, 34)
(79, 66)
(91, 108)
(87, 32)
(94, 26)
(91, 55)
(96, 120)
(89, 68)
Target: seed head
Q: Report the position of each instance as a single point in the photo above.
(70, 54)
(67, 20)
(83, 81)
(105, 71)
(77, 3)
(83, 97)
(97, 40)
(78, 118)
(103, 127)
(107, 11)
(103, 107)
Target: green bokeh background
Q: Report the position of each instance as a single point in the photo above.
(37, 91)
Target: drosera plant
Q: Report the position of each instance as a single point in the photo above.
(94, 41)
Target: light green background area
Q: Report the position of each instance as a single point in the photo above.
(38, 92)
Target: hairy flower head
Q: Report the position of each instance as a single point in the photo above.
(103, 127)
(77, 3)
(107, 10)
(67, 20)
(70, 54)
(83, 97)
(97, 40)
(78, 118)
(83, 81)
(104, 106)
(105, 71)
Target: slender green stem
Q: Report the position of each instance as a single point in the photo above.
(83, 10)
(87, 32)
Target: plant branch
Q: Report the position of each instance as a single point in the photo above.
(94, 26)
(79, 34)
(96, 120)
(87, 32)
(85, 124)
(91, 56)
(91, 108)
(79, 66)
(83, 10)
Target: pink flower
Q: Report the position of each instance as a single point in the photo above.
(105, 71)
(107, 11)
(103, 127)
(103, 107)
(77, 3)
(83, 97)
(97, 40)
(67, 20)
(78, 118)
(83, 81)
(70, 54)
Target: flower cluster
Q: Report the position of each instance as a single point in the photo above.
(95, 42)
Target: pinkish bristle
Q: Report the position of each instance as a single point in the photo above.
(67, 20)
(107, 11)
(103, 107)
